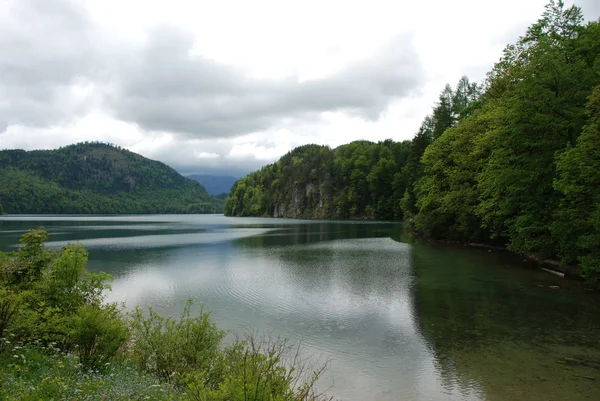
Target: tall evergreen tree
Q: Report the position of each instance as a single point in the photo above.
(444, 115)
(414, 169)
(452, 105)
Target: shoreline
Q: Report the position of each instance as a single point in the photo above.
(551, 266)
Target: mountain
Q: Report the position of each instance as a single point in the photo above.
(215, 184)
(96, 178)
(360, 180)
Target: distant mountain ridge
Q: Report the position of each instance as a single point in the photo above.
(215, 184)
(94, 177)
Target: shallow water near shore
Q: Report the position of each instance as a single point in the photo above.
(397, 320)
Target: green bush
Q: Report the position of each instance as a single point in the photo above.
(68, 285)
(39, 322)
(172, 348)
(260, 368)
(97, 334)
(51, 288)
(9, 307)
(26, 266)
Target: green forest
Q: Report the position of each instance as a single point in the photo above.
(511, 161)
(96, 178)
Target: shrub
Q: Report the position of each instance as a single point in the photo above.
(68, 285)
(9, 306)
(97, 334)
(172, 348)
(260, 368)
(37, 321)
(29, 262)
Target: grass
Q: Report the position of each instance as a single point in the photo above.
(34, 372)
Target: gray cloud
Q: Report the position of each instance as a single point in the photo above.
(165, 88)
(57, 65)
(183, 160)
(51, 51)
(49, 48)
(45, 49)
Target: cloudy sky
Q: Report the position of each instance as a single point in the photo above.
(228, 86)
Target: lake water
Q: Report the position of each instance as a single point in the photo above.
(397, 320)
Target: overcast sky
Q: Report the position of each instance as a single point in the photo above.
(228, 86)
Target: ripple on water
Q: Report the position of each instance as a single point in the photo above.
(329, 315)
(163, 240)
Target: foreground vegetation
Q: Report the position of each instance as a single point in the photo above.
(513, 161)
(59, 340)
(96, 178)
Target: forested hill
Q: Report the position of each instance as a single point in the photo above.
(514, 160)
(96, 178)
(358, 180)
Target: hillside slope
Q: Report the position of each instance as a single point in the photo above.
(96, 178)
(360, 180)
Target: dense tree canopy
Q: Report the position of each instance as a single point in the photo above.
(358, 180)
(96, 178)
(577, 225)
(521, 168)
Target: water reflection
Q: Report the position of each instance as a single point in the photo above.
(500, 327)
(399, 321)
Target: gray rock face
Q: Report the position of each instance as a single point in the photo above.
(310, 201)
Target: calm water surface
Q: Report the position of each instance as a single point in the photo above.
(397, 320)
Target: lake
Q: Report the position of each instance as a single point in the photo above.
(397, 320)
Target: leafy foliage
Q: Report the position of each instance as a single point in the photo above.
(51, 297)
(521, 167)
(96, 178)
(97, 334)
(9, 306)
(358, 180)
(447, 194)
(577, 224)
(171, 349)
(254, 369)
(452, 105)
(188, 353)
